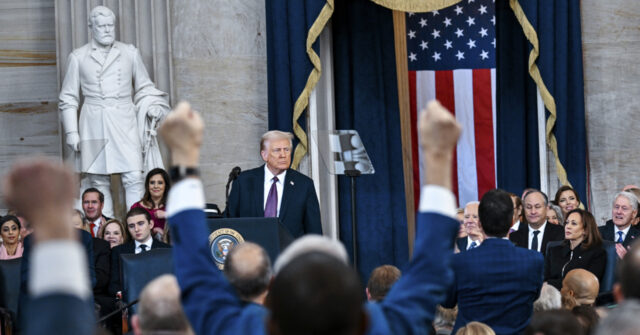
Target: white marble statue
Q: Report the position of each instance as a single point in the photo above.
(115, 133)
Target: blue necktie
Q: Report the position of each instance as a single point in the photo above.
(473, 245)
(271, 208)
(620, 239)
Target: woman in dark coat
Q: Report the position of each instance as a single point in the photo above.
(581, 249)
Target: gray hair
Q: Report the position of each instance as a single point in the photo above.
(100, 11)
(622, 320)
(275, 135)
(549, 299)
(533, 190)
(558, 211)
(630, 196)
(311, 243)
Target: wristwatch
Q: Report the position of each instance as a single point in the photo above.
(180, 172)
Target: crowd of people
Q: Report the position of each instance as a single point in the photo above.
(509, 264)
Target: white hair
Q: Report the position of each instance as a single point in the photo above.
(311, 243)
(549, 299)
(633, 200)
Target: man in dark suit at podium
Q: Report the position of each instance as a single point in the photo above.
(275, 190)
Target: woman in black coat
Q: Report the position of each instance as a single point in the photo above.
(581, 249)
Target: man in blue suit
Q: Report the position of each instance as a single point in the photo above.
(316, 285)
(497, 282)
(274, 189)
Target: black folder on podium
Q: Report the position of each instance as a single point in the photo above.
(269, 233)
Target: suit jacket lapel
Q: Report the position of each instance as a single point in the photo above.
(113, 54)
(259, 187)
(631, 236)
(287, 190)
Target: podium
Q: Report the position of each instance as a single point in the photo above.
(269, 233)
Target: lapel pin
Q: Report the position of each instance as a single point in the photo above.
(291, 182)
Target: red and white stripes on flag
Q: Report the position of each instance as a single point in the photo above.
(470, 96)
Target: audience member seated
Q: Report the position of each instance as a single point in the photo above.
(139, 224)
(581, 249)
(475, 234)
(497, 282)
(554, 215)
(460, 217)
(579, 287)
(309, 243)
(25, 228)
(154, 200)
(314, 292)
(567, 198)
(622, 320)
(114, 233)
(92, 204)
(620, 229)
(587, 316)
(517, 212)
(549, 299)
(557, 322)
(444, 320)
(10, 231)
(380, 282)
(537, 233)
(248, 269)
(475, 328)
(159, 309)
(78, 220)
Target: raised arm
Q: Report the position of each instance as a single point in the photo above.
(410, 305)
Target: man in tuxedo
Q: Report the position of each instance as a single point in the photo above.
(620, 229)
(275, 190)
(471, 224)
(92, 205)
(315, 292)
(496, 283)
(537, 233)
(139, 224)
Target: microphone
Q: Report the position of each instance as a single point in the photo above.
(235, 172)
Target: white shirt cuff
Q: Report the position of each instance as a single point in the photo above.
(437, 199)
(186, 194)
(59, 266)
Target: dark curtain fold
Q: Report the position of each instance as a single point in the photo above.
(518, 162)
(366, 99)
(558, 28)
(288, 64)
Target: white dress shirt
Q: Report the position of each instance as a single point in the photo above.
(540, 236)
(148, 243)
(624, 232)
(268, 176)
(469, 241)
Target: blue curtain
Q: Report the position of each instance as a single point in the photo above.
(288, 64)
(366, 99)
(557, 26)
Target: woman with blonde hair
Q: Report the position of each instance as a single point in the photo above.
(475, 328)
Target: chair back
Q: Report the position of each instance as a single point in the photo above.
(139, 269)
(10, 272)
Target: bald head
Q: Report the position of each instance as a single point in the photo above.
(160, 308)
(248, 269)
(581, 286)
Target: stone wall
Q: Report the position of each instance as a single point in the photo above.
(220, 66)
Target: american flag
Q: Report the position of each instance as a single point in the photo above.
(451, 56)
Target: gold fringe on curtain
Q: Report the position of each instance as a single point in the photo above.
(416, 6)
(303, 99)
(534, 71)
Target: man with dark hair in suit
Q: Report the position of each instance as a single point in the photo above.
(537, 233)
(496, 283)
(315, 293)
(92, 205)
(248, 268)
(619, 229)
(275, 190)
(139, 224)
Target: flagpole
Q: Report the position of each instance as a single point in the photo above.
(542, 145)
(402, 73)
